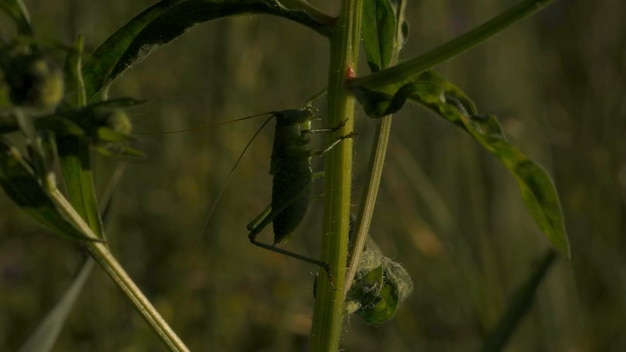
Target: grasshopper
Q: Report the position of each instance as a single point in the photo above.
(292, 178)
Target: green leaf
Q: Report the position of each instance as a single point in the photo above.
(73, 151)
(106, 134)
(379, 29)
(103, 125)
(46, 334)
(384, 31)
(121, 152)
(82, 122)
(542, 200)
(379, 303)
(105, 114)
(58, 125)
(19, 14)
(448, 101)
(397, 275)
(379, 286)
(73, 77)
(166, 21)
(117, 103)
(392, 79)
(20, 183)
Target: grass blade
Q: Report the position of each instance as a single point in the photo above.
(520, 306)
(19, 13)
(47, 332)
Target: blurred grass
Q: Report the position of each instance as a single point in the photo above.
(557, 82)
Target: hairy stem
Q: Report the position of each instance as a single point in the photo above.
(329, 305)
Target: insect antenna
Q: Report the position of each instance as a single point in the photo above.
(215, 124)
(232, 170)
(317, 95)
(205, 224)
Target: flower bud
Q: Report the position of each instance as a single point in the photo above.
(34, 80)
(117, 120)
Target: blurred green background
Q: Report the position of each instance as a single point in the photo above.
(448, 211)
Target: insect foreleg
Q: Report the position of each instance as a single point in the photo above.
(332, 145)
(326, 130)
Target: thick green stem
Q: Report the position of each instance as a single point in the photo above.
(329, 305)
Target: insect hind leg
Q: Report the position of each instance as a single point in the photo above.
(259, 224)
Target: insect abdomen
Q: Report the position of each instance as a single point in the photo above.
(290, 218)
(291, 189)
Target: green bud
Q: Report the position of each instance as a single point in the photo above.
(379, 286)
(34, 80)
(117, 120)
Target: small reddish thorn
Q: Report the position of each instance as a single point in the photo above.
(350, 74)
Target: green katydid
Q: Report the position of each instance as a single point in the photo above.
(292, 176)
(291, 185)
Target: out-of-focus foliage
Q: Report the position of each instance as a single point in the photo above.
(449, 212)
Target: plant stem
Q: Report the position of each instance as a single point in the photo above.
(82, 210)
(407, 70)
(101, 253)
(370, 192)
(103, 256)
(329, 304)
(307, 8)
